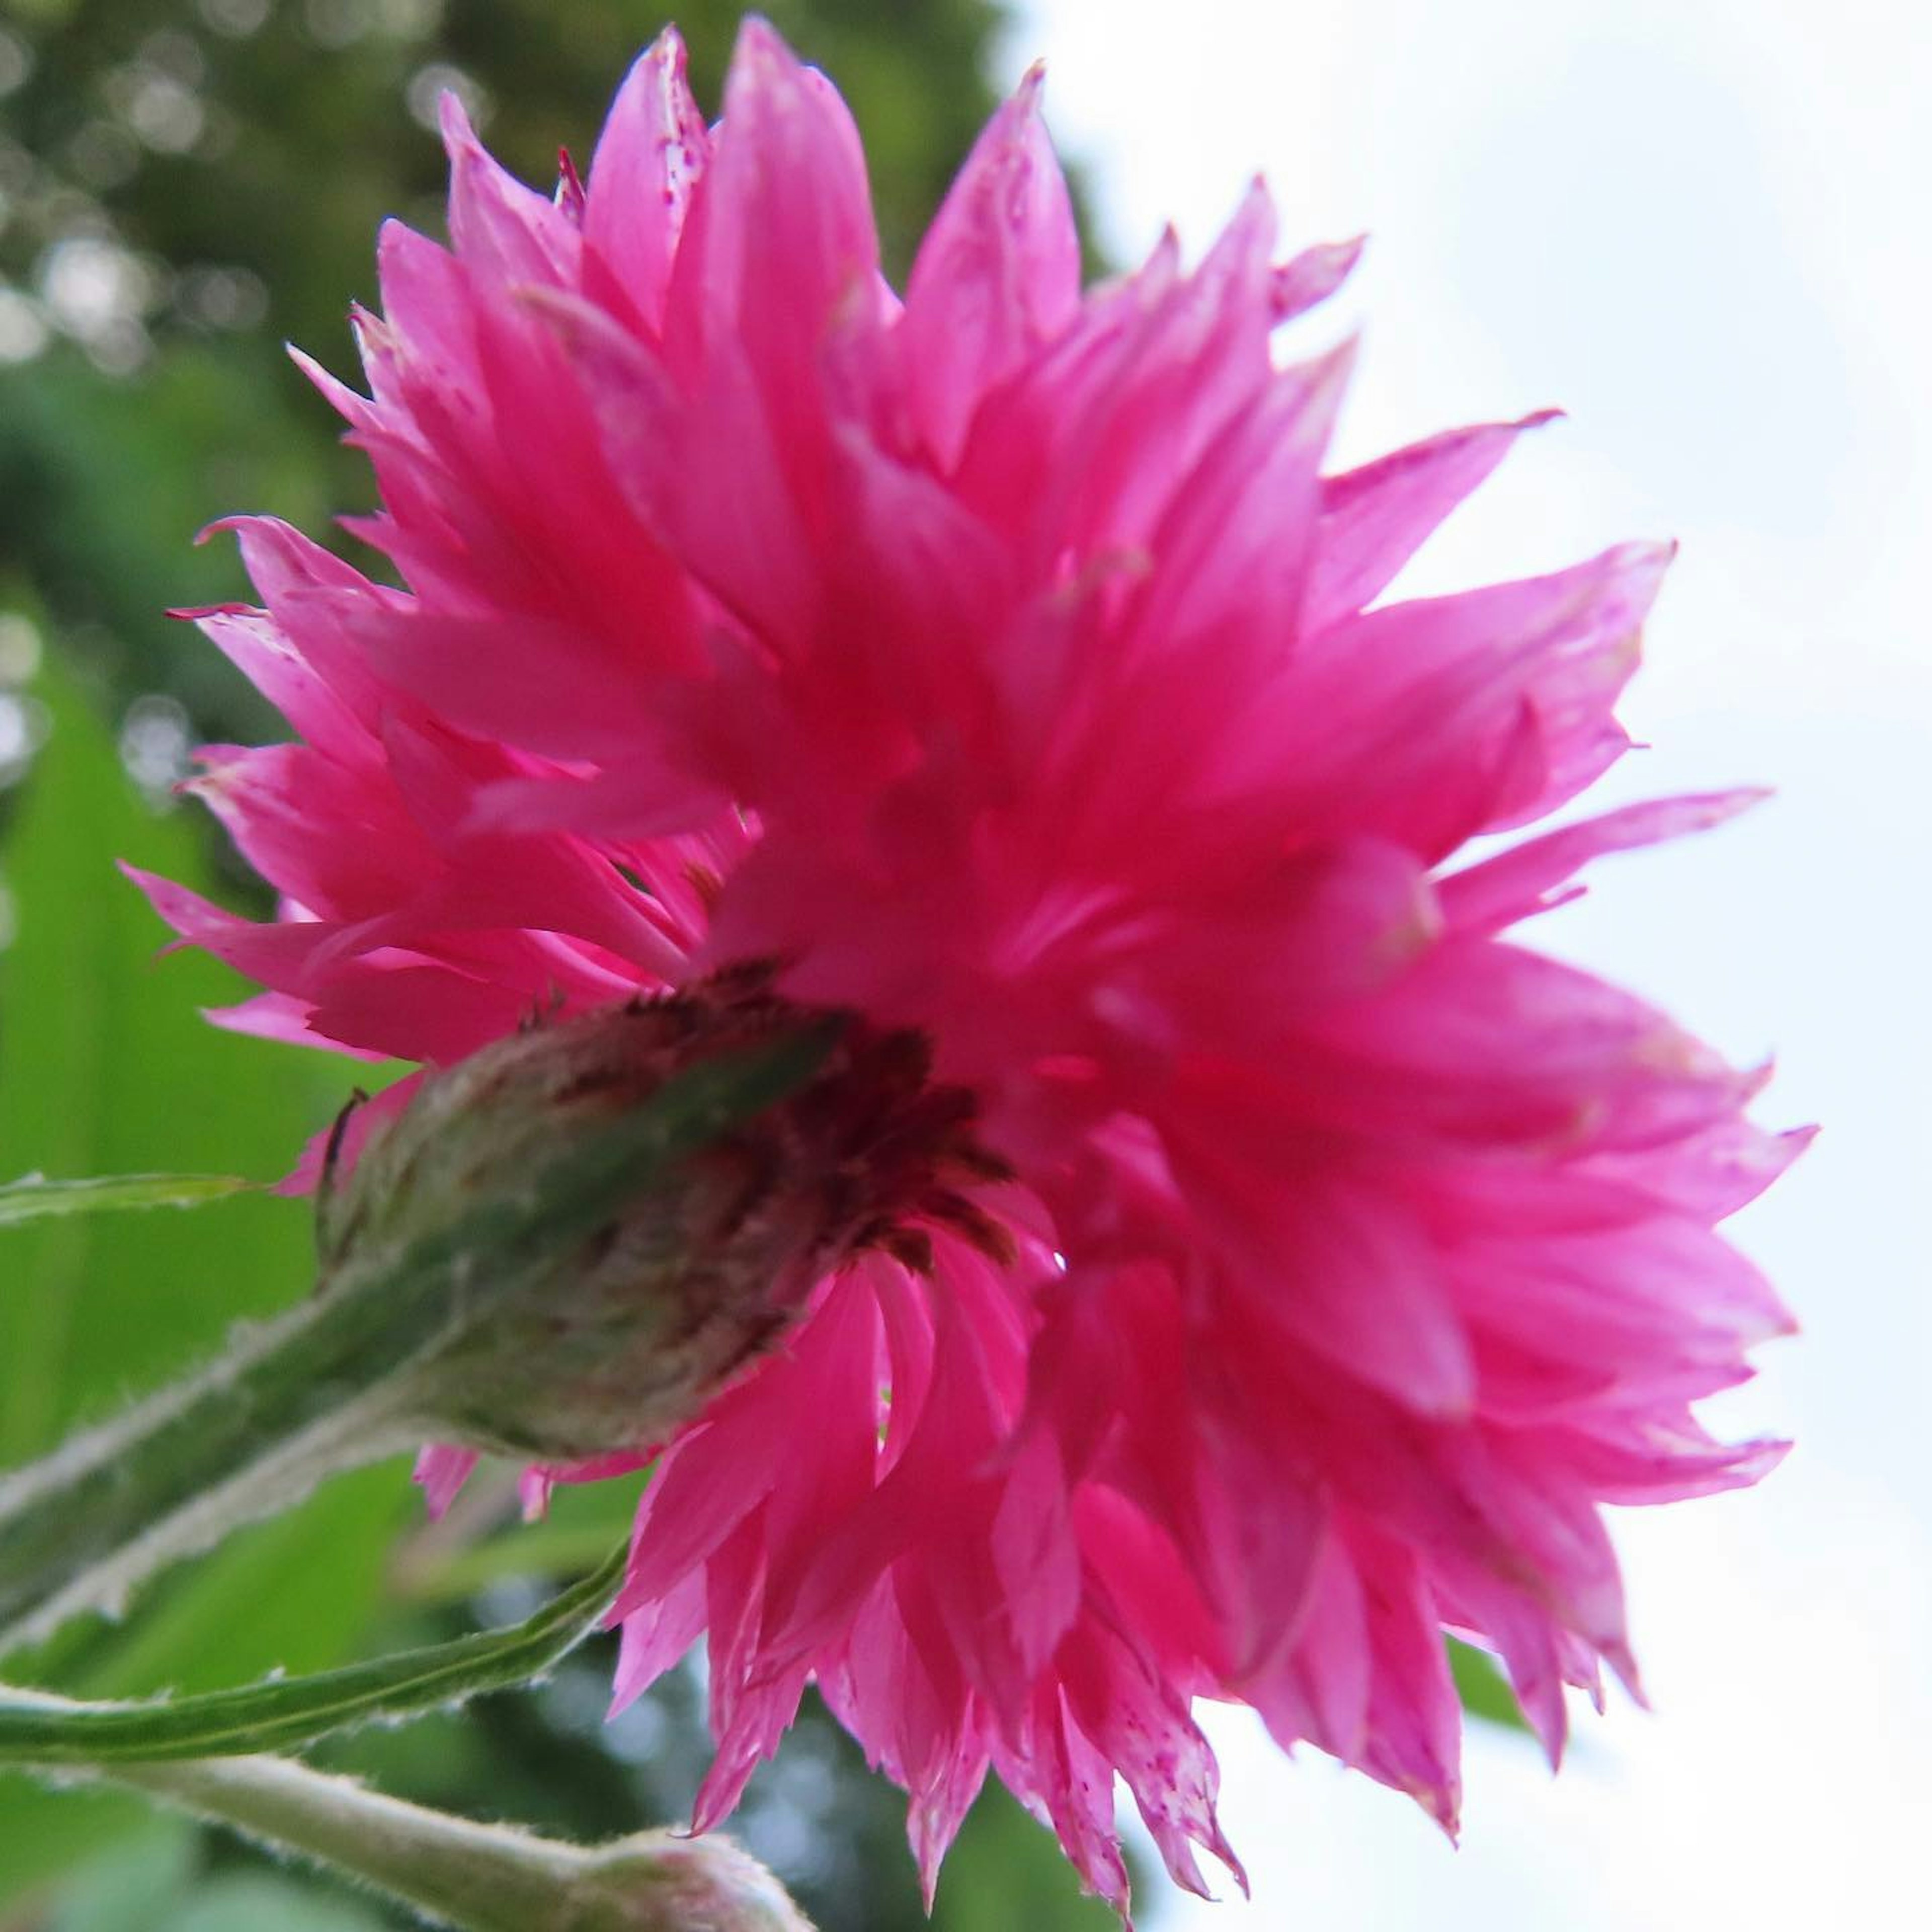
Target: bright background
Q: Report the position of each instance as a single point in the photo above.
(1699, 226)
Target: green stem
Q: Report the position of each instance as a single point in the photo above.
(480, 1878)
(314, 1391)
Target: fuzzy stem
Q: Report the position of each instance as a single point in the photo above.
(314, 1391)
(479, 1878)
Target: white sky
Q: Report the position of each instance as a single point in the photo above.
(1700, 227)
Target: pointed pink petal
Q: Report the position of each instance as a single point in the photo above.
(997, 275)
(1431, 721)
(440, 1472)
(507, 232)
(1374, 519)
(1516, 883)
(1312, 276)
(653, 147)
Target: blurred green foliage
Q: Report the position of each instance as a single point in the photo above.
(183, 185)
(186, 185)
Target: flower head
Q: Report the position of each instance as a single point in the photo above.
(999, 663)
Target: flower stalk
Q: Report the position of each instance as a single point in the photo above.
(321, 1389)
(480, 1878)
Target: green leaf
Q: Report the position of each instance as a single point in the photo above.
(29, 1199)
(287, 1713)
(1485, 1691)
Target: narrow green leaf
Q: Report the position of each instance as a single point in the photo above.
(1485, 1691)
(27, 1199)
(287, 1713)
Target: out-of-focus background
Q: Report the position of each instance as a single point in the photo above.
(1693, 224)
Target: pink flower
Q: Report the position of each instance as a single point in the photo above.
(1001, 662)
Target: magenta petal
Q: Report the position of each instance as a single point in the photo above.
(654, 146)
(441, 1471)
(1428, 733)
(501, 228)
(1374, 519)
(275, 1016)
(997, 275)
(455, 665)
(783, 232)
(1343, 1273)
(725, 502)
(354, 410)
(1517, 883)
(655, 1637)
(1318, 1687)
(1229, 582)
(1312, 277)
(1413, 1714)
(263, 652)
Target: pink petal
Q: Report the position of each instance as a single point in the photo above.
(440, 1472)
(653, 147)
(1312, 277)
(1516, 883)
(997, 275)
(1374, 519)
